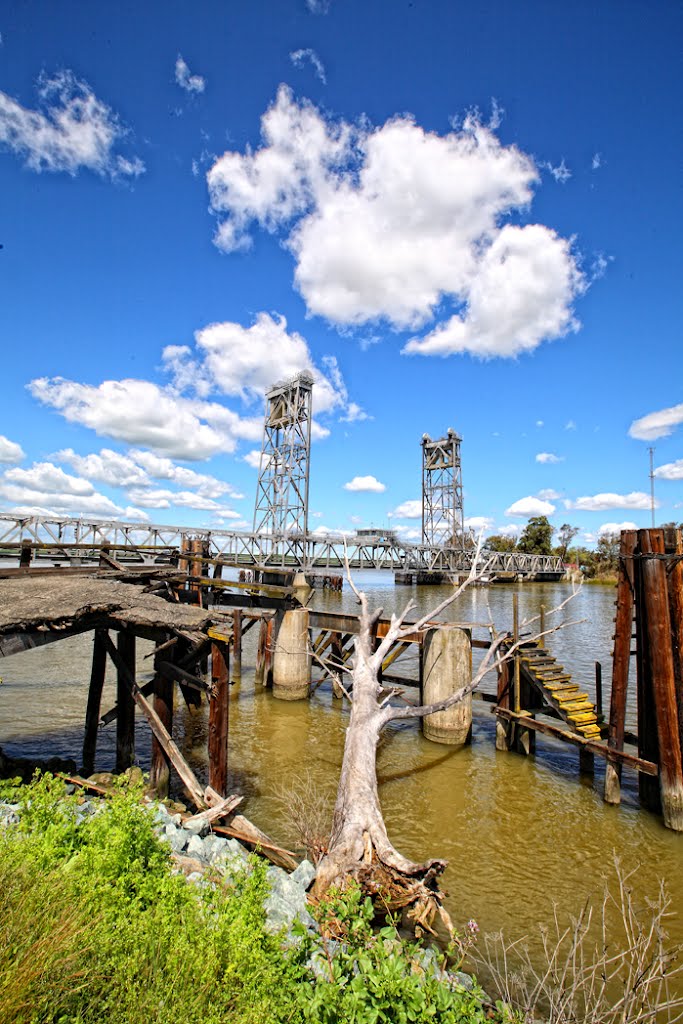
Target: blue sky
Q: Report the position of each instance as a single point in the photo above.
(454, 215)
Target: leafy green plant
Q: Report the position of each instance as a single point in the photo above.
(369, 977)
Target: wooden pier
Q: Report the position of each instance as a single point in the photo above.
(201, 608)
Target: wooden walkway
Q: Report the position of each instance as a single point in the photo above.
(541, 670)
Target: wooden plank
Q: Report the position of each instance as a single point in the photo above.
(15, 643)
(674, 546)
(170, 670)
(125, 719)
(620, 664)
(160, 767)
(639, 764)
(661, 658)
(158, 728)
(236, 646)
(648, 742)
(92, 714)
(215, 813)
(219, 705)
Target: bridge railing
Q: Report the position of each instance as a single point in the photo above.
(318, 552)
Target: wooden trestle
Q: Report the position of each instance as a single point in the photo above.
(169, 606)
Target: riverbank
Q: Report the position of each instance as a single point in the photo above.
(114, 909)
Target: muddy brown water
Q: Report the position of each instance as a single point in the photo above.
(519, 834)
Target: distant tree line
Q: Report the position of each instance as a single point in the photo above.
(537, 539)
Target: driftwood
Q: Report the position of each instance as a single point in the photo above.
(215, 813)
(359, 847)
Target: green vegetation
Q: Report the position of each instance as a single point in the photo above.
(95, 926)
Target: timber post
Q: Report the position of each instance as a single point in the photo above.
(125, 719)
(236, 646)
(264, 654)
(621, 657)
(219, 716)
(292, 656)
(447, 668)
(662, 679)
(160, 765)
(92, 714)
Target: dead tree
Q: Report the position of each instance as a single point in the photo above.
(359, 848)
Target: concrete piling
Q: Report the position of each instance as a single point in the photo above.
(292, 657)
(447, 666)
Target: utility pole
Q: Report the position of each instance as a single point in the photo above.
(652, 485)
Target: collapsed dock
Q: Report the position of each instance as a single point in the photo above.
(197, 616)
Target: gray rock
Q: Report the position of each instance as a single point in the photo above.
(177, 838)
(195, 877)
(197, 828)
(285, 903)
(462, 979)
(160, 814)
(304, 874)
(195, 848)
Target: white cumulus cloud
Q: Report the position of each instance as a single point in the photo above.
(386, 222)
(411, 509)
(549, 457)
(670, 470)
(607, 500)
(478, 523)
(72, 129)
(365, 483)
(50, 479)
(10, 451)
(141, 413)
(186, 80)
(657, 424)
(530, 506)
(611, 528)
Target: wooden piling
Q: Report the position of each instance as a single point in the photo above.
(236, 646)
(673, 542)
(92, 714)
(219, 718)
(264, 654)
(648, 740)
(620, 664)
(125, 719)
(503, 726)
(663, 684)
(160, 767)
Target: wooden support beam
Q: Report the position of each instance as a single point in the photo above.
(159, 729)
(92, 714)
(639, 764)
(620, 664)
(264, 654)
(662, 679)
(160, 767)
(236, 646)
(673, 541)
(174, 672)
(125, 719)
(219, 716)
(110, 716)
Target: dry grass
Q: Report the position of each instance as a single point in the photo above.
(609, 965)
(307, 810)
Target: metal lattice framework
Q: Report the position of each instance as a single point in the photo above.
(442, 509)
(139, 540)
(281, 508)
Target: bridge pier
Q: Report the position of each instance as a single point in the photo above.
(292, 656)
(446, 667)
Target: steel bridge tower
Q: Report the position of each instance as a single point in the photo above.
(281, 508)
(443, 520)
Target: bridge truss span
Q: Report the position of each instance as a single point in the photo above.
(144, 542)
